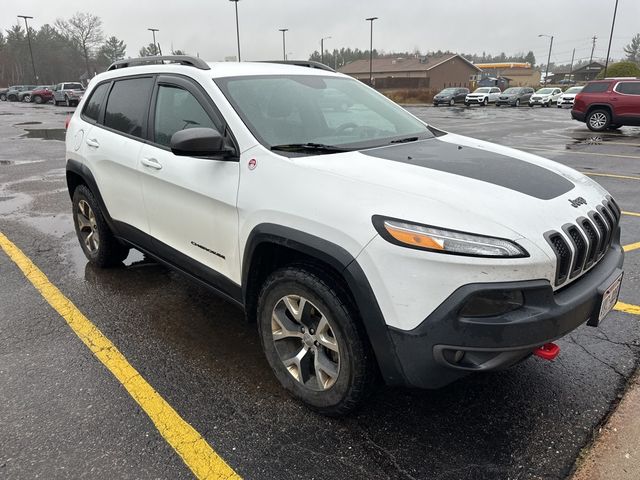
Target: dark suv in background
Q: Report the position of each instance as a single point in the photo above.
(514, 96)
(450, 96)
(608, 104)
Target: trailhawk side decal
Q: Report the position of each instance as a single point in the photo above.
(508, 172)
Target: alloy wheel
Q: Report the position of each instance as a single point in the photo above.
(305, 342)
(88, 227)
(598, 120)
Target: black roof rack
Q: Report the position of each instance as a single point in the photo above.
(303, 63)
(180, 59)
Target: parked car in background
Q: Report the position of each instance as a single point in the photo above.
(567, 98)
(450, 96)
(514, 96)
(545, 97)
(13, 92)
(608, 104)
(26, 95)
(567, 81)
(482, 96)
(42, 95)
(69, 93)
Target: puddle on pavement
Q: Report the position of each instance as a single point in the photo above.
(27, 123)
(45, 133)
(57, 225)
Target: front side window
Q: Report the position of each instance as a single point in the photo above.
(301, 109)
(597, 87)
(177, 109)
(630, 88)
(93, 105)
(127, 105)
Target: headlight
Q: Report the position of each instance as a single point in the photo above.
(440, 240)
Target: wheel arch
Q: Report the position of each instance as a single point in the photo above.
(596, 106)
(271, 246)
(78, 174)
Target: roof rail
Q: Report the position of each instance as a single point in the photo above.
(180, 59)
(303, 63)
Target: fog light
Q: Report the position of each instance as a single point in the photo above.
(492, 303)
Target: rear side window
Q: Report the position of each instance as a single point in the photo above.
(630, 88)
(177, 109)
(127, 105)
(92, 107)
(598, 87)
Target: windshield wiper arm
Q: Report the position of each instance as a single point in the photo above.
(301, 147)
(405, 140)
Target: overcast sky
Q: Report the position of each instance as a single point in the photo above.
(207, 27)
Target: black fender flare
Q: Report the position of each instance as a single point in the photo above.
(345, 264)
(81, 170)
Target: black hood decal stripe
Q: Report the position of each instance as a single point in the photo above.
(508, 172)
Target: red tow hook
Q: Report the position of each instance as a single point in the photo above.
(548, 351)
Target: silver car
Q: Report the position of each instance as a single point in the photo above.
(68, 93)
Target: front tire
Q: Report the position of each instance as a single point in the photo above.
(485, 102)
(517, 104)
(452, 103)
(96, 239)
(598, 120)
(26, 99)
(67, 102)
(3, 97)
(37, 99)
(313, 341)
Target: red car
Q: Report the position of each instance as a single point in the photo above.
(608, 104)
(42, 95)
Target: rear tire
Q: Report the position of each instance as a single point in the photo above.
(313, 342)
(37, 99)
(3, 97)
(26, 99)
(598, 120)
(96, 239)
(517, 104)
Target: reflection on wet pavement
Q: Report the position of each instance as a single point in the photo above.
(45, 133)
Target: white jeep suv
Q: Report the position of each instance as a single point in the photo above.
(364, 242)
(483, 96)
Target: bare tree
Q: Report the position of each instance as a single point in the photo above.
(85, 30)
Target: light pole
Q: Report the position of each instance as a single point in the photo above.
(371, 19)
(613, 23)
(284, 44)
(155, 45)
(33, 64)
(237, 28)
(322, 48)
(546, 75)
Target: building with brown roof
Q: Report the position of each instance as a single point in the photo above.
(436, 72)
(519, 74)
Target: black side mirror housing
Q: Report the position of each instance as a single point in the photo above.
(199, 142)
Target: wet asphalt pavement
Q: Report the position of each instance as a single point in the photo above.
(63, 415)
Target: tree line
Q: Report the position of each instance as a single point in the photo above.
(71, 49)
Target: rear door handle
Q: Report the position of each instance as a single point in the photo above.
(151, 163)
(92, 142)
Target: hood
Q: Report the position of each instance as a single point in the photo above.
(509, 193)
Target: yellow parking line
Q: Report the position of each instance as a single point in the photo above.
(632, 246)
(627, 308)
(196, 453)
(595, 174)
(633, 214)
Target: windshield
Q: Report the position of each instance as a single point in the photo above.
(322, 110)
(545, 91)
(512, 90)
(482, 90)
(574, 90)
(448, 91)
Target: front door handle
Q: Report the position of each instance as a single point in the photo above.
(151, 163)
(92, 142)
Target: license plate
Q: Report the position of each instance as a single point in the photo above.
(610, 298)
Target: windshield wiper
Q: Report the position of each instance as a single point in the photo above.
(303, 147)
(404, 140)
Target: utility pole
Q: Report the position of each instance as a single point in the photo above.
(33, 64)
(322, 48)
(573, 55)
(155, 45)
(371, 19)
(237, 28)
(613, 24)
(593, 47)
(546, 75)
(284, 44)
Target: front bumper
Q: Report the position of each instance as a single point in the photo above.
(476, 100)
(446, 346)
(540, 101)
(579, 116)
(506, 101)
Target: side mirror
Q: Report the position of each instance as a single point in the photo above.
(198, 142)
